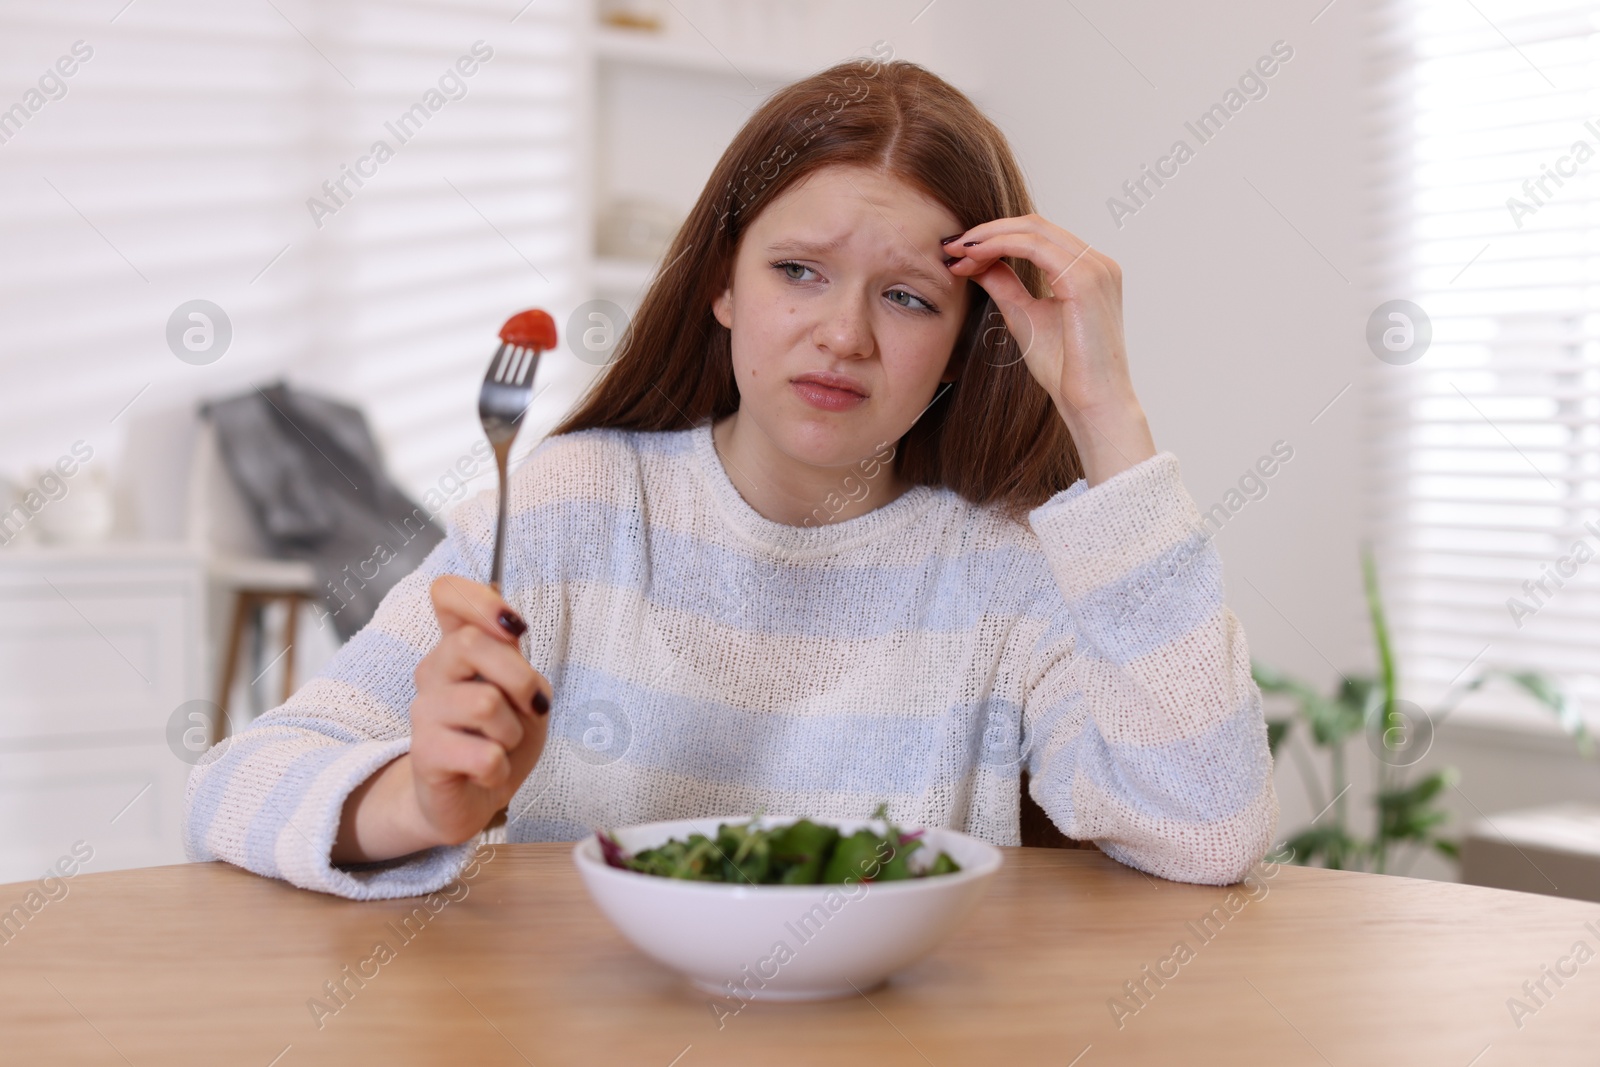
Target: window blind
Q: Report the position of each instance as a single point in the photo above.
(1485, 448)
(229, 152)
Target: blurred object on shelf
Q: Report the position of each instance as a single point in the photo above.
(16, 525)
(632, 14)
(67, 504)
(637, 229)
(83, 514)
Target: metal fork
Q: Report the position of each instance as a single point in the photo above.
(502, 401)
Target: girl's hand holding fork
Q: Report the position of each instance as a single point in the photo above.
(478, 726)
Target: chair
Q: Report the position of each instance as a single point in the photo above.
(239, 568)
(1037, 829)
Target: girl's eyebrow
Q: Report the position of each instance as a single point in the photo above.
(904, 264)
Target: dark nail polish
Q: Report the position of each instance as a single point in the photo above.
(967, 244)
(541, 703)
(947, 240)
(951, 261)
(512, 623)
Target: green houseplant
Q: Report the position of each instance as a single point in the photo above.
(1406, 805)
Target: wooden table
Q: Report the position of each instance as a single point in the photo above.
(208, 964)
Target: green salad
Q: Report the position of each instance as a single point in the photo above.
(800, 853)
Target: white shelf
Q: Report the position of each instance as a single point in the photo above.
(691, 55)
(110, 552)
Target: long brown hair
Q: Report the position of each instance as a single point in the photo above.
(994, 435)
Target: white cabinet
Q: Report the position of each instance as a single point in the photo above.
(99, 648)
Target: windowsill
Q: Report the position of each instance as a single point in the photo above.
(1514, 728)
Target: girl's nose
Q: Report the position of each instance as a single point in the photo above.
(844, 329)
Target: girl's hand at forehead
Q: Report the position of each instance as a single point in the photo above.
(1072, 339)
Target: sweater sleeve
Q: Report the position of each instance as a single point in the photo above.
(1143, 725)
(270, 797)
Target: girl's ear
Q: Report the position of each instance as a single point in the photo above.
(722, 308)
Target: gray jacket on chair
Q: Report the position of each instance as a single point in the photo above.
(310, 470)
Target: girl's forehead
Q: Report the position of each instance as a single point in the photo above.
(853, 193)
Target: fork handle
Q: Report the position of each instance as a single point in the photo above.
(497, 568)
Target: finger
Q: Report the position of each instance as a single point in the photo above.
(1022, 244)
(527, 752)
(1000, 281)
(481, 709)
(477, 759)
(1034, 224)
(979, 244)
(460, 602)
(469, 654)
(1051, 258)
(1017, 306)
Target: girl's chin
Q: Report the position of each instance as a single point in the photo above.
(830, 442)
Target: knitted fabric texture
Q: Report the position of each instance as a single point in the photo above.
(707, 661)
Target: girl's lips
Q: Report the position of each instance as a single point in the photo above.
(826, 398)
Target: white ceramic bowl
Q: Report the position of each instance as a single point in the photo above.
(785, 942)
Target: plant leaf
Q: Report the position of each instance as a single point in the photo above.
(1330, 842)
(1548, 691)
(1359, 691)
(1276, 729)
(1380, 634)
(1332, 721)
(1408, 813)
(1271, 680)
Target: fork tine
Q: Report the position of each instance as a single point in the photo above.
(497, 365)
(503, 401)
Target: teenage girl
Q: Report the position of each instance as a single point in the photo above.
(864, 509)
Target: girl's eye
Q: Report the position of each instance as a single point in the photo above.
(795, 272)
(909, 300)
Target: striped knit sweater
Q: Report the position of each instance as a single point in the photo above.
(709, 661)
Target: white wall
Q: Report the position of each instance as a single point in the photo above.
(1239, 331)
